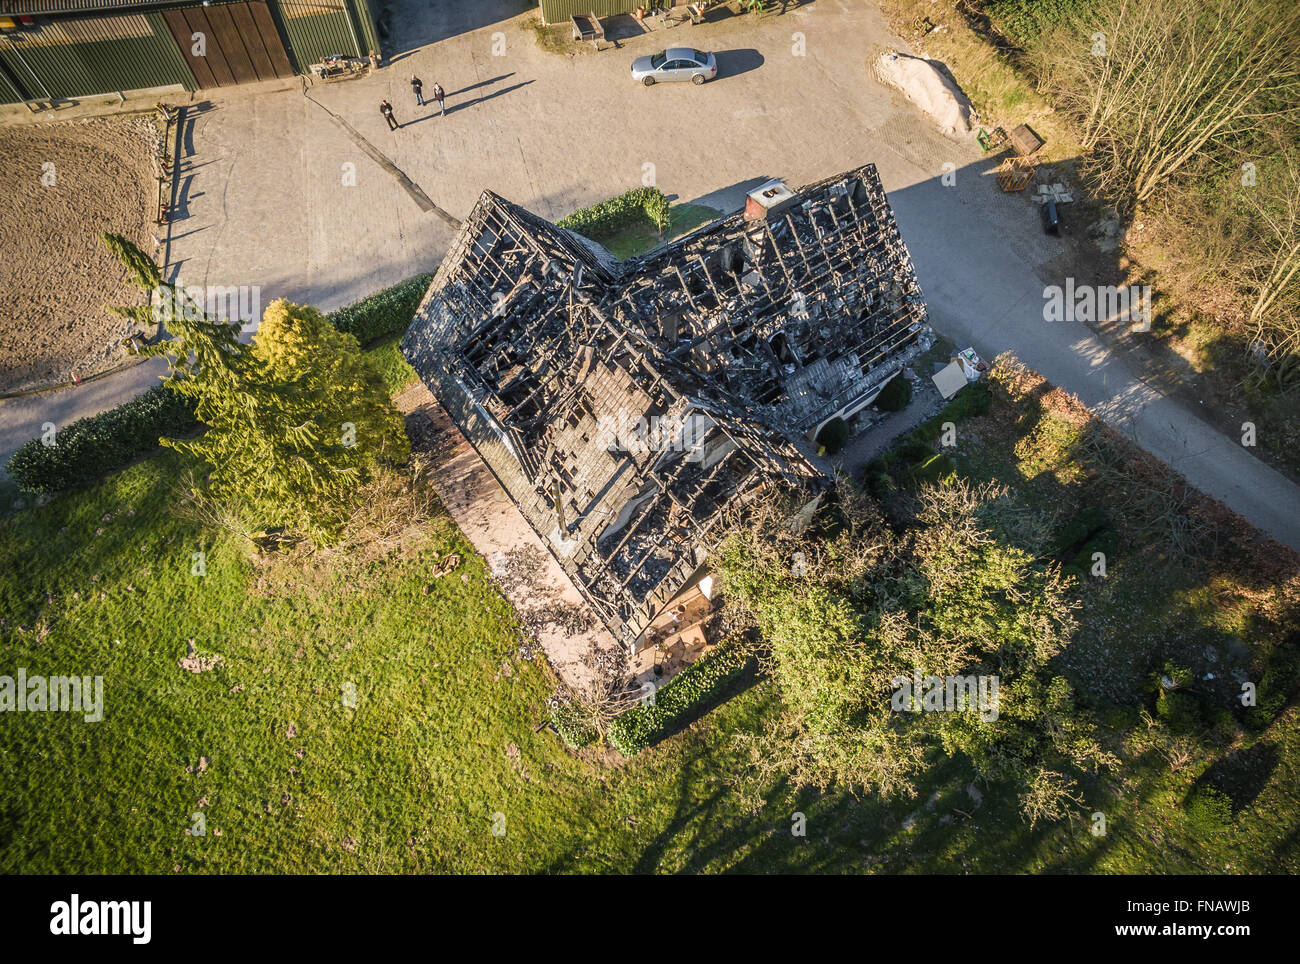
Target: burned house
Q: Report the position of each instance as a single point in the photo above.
(622, 405)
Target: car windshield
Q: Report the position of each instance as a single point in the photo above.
(700, 56)
(657, 60)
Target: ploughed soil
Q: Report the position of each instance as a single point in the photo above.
(60, 186)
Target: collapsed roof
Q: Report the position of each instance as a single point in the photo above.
(623, 404)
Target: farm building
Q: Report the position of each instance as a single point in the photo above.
(625, 405)
(61, 49)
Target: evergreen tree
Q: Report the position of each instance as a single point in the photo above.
(296, 422)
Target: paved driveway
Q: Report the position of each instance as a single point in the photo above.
(271, 199)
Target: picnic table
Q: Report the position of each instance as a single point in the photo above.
(586, 26)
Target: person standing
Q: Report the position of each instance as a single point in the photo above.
(386, 109)
(440, 97)
(417, 85)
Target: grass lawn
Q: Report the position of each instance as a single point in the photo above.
(444, 734)
(642, 236)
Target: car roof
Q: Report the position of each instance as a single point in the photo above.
(676, 53)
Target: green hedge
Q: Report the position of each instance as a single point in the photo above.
(387, 313)
(896, 394)
(685, 693)
(636, 206)
(91, 447)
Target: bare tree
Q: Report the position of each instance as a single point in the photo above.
(1154, 83)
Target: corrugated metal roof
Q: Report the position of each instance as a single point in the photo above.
(18, 8)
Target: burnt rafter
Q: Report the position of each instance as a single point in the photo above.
(624, 404)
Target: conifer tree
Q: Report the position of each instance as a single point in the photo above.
(296, 422)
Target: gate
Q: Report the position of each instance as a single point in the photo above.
(229, 43)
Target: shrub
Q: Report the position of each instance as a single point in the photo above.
(895, 395)
(92, 447)
(1209, 810)
(602, 220)
(914, 451)
(933, 469)
(572, 730)
(1180, 711)
(688, 691)
(833, 435)
(386, 313)
(971, 401)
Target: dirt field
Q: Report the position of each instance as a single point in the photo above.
(55, 276)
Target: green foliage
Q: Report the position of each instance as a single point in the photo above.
(972, 401)
(1208, 810)
(1179, 711)
(945, 597)
(297, 422)
(385, 357)
(572, 729)
(601, 220)
(92, 447)
(384, 314)
(933, 469)
(895, 396)
(656, 209)
(1025, 20)
(141, 269)
(689, 692)
(833, 435)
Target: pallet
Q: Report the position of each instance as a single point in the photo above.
(1014, 173)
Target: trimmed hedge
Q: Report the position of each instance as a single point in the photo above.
(896, 394)
(686, 692)
(601, 220)
(389, 312)
(91, 447)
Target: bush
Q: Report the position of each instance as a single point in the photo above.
(1209, 810)
(572, 730)
(833, 435)
(688, 691)
(933, 469)
(387, 313)
(602, 220)
(92, 447)
(895, 395)
(971, 401)
(1180, 711)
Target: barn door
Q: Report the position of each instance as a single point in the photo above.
(229, 43)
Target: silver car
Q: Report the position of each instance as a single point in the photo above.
(675, 63)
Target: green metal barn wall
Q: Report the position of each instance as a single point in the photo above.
(555, 11)
(78, 56)
(317, 28)
(93, 55)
